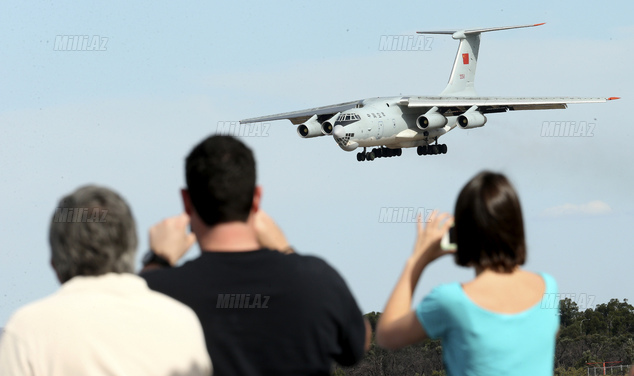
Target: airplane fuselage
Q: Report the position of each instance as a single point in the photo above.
(382, 122)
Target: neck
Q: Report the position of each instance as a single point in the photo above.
(228, 237)
(480, 272)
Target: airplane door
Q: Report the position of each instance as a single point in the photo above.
(379, 132)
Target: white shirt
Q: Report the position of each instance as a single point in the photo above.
(107, 325)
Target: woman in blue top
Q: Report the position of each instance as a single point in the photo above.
(495, 324)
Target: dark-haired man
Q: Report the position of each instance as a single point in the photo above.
(262, 311)
(103, 320)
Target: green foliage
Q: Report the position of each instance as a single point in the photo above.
(373, 318)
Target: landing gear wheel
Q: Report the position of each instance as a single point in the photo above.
(433, 149)
(443, 148)
(399, 152)
(370, 156)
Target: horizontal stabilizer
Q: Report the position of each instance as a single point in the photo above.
(477, 31)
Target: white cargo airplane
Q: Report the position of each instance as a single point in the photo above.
(392, 123)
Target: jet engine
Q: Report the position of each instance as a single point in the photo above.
(310, 128)
(430, 121)
(326, 126)
(471, 119)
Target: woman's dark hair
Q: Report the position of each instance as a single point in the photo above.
(488, 224)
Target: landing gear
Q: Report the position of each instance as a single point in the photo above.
(432, 149)
(365, 156)
(378, 153)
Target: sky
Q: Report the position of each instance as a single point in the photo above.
(166, 74)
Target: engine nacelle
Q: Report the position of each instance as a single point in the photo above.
(431, 121)
(326, 126)
(471, 120)
(310, 128)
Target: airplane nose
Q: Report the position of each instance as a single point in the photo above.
(338, 131)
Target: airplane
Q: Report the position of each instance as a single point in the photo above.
(391, 123)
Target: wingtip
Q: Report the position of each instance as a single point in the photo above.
(540, 24)
(613, 98)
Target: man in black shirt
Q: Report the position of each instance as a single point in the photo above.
(263, 312)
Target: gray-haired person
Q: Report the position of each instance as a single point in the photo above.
(103, 320)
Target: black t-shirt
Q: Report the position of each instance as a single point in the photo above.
(267, 313)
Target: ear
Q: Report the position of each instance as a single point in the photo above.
(257, 196)
(187, 202)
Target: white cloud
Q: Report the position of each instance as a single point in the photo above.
(590, 208)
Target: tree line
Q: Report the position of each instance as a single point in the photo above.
(594, 335)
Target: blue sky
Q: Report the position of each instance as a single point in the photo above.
(125, 117)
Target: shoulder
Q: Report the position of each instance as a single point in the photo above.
(170, 278)
(439, 308)
(550, 281)
(310, 263)
(34, 314)
(442, 300)
(446, 292)
(33, 309)
(313, 267)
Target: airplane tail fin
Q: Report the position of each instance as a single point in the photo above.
(464, 67)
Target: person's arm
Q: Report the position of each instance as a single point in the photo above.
(269, 234)
(398, 325)
(170, 240)
(368, 334)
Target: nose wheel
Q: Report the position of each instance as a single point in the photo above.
(365, 156)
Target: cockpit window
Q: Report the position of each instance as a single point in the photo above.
(348, 117)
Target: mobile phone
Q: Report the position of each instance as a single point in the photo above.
(448, 242)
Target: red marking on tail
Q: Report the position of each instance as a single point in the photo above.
(465, 59)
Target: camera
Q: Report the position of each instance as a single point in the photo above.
(448, 242)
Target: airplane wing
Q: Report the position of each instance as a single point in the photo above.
(451, 106)
(298, 117)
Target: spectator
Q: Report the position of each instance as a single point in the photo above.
(103, 320)
(262, 311)
(494, 324)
